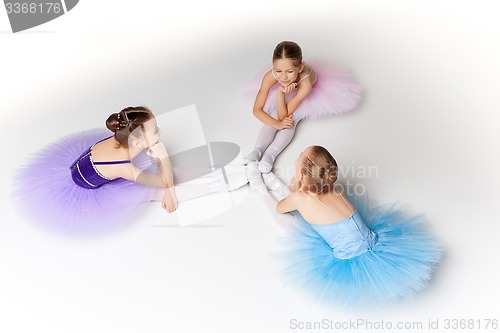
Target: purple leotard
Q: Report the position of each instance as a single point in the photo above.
(49, 195)
(84, 172)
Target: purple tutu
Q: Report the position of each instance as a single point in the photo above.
(334, 92)
(45, 194)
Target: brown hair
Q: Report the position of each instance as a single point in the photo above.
(320, 171)
(288, 50)
(126, 121)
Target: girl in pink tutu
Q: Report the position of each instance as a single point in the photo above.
(291, 91)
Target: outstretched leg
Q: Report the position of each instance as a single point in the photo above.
(266, 136)
(275, 186)
(212, 183)
(268, 197)
(281, 140)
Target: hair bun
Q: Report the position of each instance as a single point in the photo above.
(113, 122)
(331, 173)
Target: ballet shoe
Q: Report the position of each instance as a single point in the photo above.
(255, 178)
(252, 156)
(265, 167)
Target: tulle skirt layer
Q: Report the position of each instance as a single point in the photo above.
(334, 92)
(398, 266)
(45, 195)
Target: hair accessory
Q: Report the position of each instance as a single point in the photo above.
(123, 122)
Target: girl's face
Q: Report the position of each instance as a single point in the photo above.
(285, 71)
(151, 133)
(146, 135)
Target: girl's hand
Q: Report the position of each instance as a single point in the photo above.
(289, 88)
(169, 201)
(287, 122)
(157, 151)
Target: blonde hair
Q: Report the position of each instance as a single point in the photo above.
(320, 171)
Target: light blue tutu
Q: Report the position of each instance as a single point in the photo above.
(390, 256)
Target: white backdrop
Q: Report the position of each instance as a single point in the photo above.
(428, 123)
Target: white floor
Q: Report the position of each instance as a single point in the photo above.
(427, 128)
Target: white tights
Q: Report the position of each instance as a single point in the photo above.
(271, 190)
(211, 183)
(270, 143)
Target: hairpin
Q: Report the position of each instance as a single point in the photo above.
(123, 122)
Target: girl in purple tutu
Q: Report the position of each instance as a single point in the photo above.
(135, 130)
(291, 91)
(109, 180)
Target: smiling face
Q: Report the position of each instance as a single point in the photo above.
(285, 71)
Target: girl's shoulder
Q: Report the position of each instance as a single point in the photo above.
(106, 150)
(308, 75)
(269, 75)
(268, 80)
(300, 198)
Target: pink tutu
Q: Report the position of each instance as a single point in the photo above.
(334, 92)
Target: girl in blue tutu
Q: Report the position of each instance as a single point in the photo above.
(292, 90)
(340, 249)
(93, 181)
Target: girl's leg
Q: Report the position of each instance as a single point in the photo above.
(211, 183)
(258, 186)
(275, 186)
(266, 136)
(281, 140)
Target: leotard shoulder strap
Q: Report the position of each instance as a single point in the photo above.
(112, 162)
(305, 77)
(108, 162)
(86, 153)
